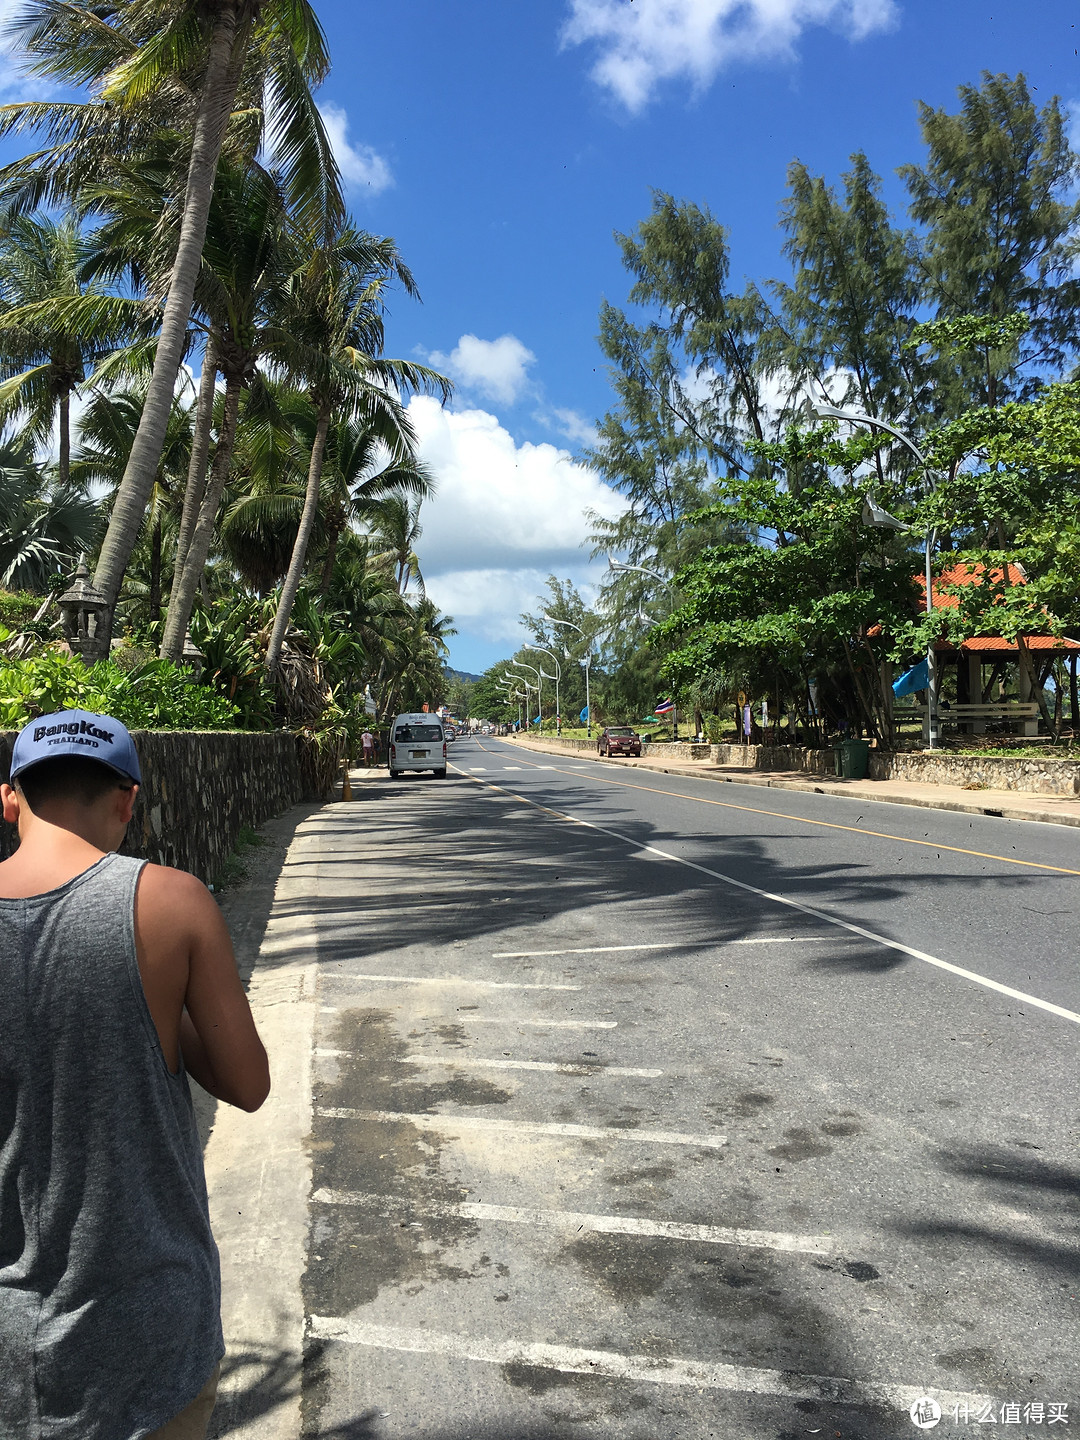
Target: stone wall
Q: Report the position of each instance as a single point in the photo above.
(199, 790)
(991, 772)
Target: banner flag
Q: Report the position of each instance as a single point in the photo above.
(918, 678)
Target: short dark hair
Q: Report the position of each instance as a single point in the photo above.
(68, 777)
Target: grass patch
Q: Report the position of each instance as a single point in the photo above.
(234, 870)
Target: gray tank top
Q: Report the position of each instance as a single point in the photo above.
(109, 1288)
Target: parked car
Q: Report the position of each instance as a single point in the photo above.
(618, 740)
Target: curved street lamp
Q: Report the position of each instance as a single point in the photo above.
(539, 688)
(557, 677)
(586, 663)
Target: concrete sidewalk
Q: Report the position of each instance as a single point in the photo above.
(1003, 804)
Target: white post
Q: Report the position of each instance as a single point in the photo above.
(933, 736)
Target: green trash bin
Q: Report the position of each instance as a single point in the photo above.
(853, 759)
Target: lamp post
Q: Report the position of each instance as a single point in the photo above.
(618, 565)
(586, 663)
(539, 688)
(557, 677)
(873, 514)
(512, 682)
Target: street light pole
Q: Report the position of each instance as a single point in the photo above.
(514, 681)
(539, 688)
(557, 677)
(871, 512)
(586, 663)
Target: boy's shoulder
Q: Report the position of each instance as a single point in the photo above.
(163, 886)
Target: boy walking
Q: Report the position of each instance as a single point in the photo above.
(117, 982)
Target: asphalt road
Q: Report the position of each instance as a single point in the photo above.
(648, 1108)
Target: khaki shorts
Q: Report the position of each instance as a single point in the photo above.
(192, 1421)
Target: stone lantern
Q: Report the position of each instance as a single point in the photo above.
(191, 657)
(85, 616)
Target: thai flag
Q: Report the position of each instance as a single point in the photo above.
(665, 707)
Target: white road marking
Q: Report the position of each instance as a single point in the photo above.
(597, 1224)
(513, 767)
(791, 940)
(446, 980)
(538, 1024)
(555, 1068)
(478, 769)
(909, 950)
(527, 1128)
(588, 950)
(701, 1375)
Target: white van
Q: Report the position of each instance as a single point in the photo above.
(418, 742)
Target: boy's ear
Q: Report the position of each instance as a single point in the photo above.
(10, 798)
(126, 803)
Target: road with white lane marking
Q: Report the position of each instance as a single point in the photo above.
(660, 1114)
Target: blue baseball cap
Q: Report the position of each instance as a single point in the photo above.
(76, 732)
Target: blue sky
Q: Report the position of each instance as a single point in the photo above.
(501, 143)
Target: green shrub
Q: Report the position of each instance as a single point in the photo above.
(17, 608)
(157, 695)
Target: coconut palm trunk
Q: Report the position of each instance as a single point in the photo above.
(303, 537)
(200, 452)
(186, 582)
(63, 471)
(154, 605)
(222, 76)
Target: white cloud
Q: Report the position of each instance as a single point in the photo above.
(496, 369)
(643, 43)
(362, 168)
(505, 517)
(488, 603)
(575, 427)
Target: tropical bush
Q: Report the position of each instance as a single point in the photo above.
(156, 696)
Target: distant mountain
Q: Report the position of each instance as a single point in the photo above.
(459, 674)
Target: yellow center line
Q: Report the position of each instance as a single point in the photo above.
(804, 820)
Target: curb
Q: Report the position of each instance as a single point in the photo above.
(812, 787)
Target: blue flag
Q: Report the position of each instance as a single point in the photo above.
(584, 713)
(917, 678)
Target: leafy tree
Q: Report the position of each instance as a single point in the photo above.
(995, 196)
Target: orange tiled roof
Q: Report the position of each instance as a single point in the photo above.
(965, 575)
(982, 644)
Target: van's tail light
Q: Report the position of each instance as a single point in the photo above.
(444, 749)
(393, 752)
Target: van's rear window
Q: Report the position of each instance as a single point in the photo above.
(409, 734)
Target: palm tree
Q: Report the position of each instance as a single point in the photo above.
(328, 337)
(240, 275)
(44, 526)
(134, 52)
(395, 523)
(365, 478)
(44, 351)
(107, 430)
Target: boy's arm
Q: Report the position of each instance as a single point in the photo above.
(187, 962)
(220, 1044)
